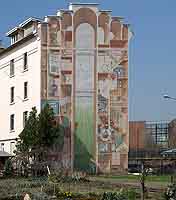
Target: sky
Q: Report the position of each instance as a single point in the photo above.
(152, 63)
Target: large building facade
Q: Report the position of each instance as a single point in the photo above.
(77, 61)
(147, 139)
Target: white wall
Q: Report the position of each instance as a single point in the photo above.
(32, 48)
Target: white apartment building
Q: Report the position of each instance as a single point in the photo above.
(19, 82)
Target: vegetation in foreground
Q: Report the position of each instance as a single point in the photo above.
(39, 135)
(45, 189)
(78, 187)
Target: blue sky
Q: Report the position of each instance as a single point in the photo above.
(153, 48)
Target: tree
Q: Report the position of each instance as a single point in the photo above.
(38, 136)
(39, 131)
(47, 130)
(8, 168)
(28, 138)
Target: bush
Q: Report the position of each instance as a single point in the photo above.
(121, 195)
(131, 194)
(65, 177)
(114, 196)
(170, 193)
(52, 189)
(8, 168)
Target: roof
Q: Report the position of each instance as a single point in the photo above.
(109, 11)
(89, 4)
(4, 154)
(24, 23)
(31, 19)
(30, 36)
(118, 18)
(65, 10)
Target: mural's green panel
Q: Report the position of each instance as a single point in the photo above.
(84, 95)
(84, 138)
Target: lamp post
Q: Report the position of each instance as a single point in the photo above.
(166, 96)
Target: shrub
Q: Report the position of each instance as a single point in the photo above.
(93, 194)
(114, 196)
(65, 177)
(170, 193)
(52, 189)
(121, 195)
(8, 168)
(131, 194)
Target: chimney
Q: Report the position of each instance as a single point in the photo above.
(1, 46)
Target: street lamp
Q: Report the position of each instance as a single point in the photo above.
(166, 96)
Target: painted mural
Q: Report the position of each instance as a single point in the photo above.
(85, 80)
(112, 119)
(57, 87)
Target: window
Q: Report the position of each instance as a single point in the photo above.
(12, 95)
(14, 38)
(28, 30)
(2, 146)
(12, 147)
(12, 70)
(25, 90)
(12, 122)
(25, 61)
(25, 115)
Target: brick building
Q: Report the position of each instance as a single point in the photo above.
(147, 139)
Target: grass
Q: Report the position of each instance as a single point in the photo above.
(149, 178)
(98, 185)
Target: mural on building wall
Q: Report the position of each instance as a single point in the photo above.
(112, 118)
(58, 89)
(87, 84)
